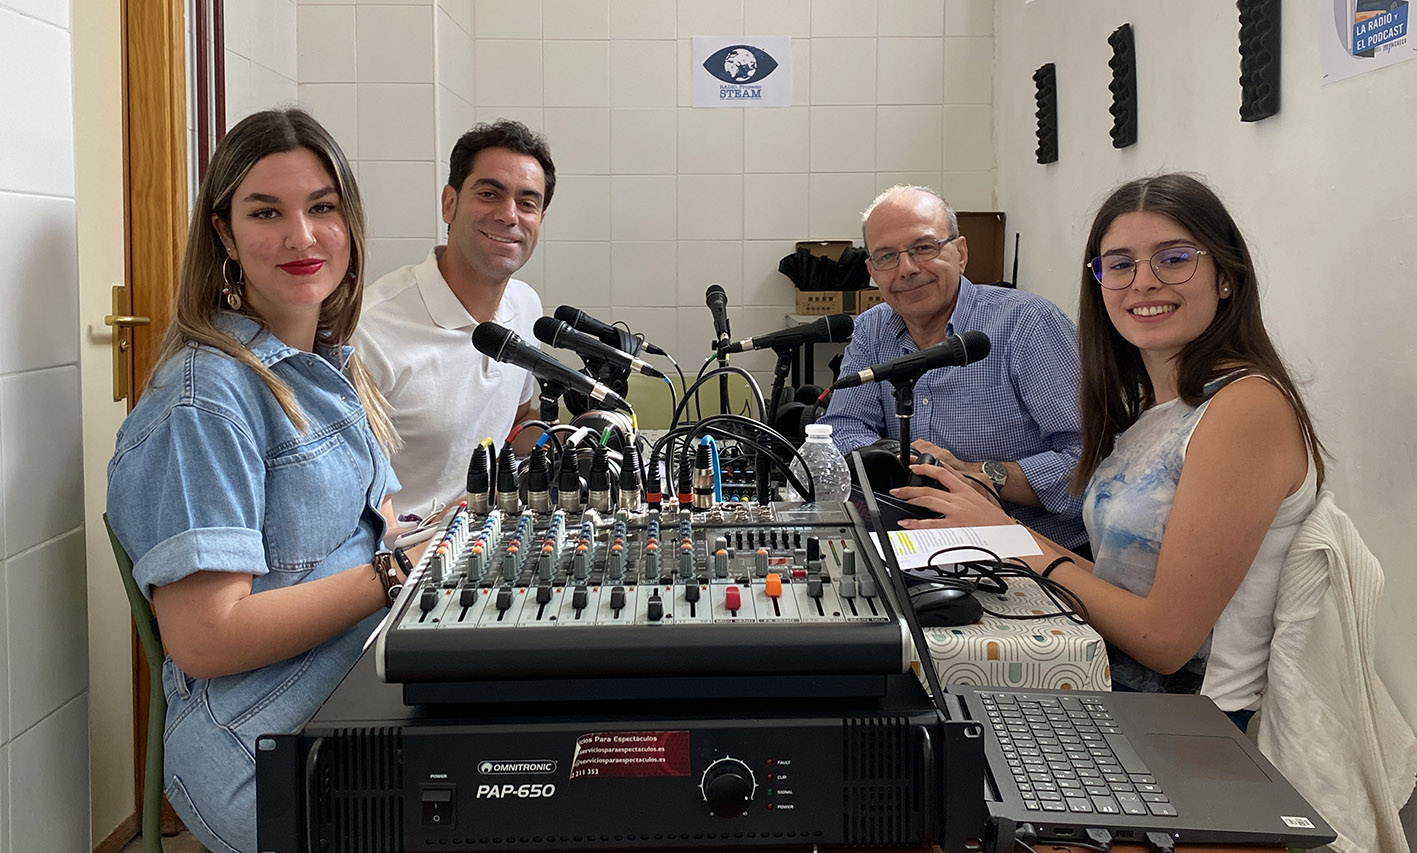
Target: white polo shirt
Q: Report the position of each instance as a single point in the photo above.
(416, 339)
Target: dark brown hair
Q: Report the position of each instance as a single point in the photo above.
(1115, 386)
(502, 133)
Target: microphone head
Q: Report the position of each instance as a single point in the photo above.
(976, 346)
(548, 329)
(491, 339)
(568, 315)
(839, 327)
(715, 294)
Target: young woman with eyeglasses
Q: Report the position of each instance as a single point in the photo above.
(1199, 458)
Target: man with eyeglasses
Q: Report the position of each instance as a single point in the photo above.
(1010, 421)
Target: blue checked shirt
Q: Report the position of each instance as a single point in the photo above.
(1020, 404)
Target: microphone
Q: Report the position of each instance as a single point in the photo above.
(608, 334)
(954, 351)
(835, 327)
(558, 333)
(717, 302)
(502, 344)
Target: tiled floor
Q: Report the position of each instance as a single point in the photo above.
(180, 843)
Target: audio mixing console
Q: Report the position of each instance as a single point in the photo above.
(742, 600)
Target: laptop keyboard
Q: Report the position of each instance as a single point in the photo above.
(1067, 754)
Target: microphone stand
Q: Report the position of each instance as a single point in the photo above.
(551, 393)
(904, 410)
(723, 407)
(786, 358)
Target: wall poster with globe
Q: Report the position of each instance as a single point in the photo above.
(742, 71)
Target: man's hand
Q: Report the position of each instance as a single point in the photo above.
(969, 470)
(955, 499)
(1016, 488)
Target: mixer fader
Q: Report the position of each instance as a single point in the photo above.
(782, 595)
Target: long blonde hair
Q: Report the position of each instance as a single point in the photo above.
(199, 290)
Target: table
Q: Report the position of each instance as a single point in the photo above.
(1053, 653)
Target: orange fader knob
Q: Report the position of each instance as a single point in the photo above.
(773, 585)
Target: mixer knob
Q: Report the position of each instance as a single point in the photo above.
(760, 563)
(428, 599)
(580, 597)
(655, 611)
(728, 787)
(691, 593)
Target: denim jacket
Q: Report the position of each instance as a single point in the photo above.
(210, 475)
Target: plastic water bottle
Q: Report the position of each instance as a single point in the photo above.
(830, 475)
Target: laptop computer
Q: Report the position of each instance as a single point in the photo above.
(1064, 762)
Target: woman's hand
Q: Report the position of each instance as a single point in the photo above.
(957, 501)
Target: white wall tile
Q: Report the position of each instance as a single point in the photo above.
(394, 44)
(325, 44)
(969, 17)
(508, 73)
(969, 138)
(642, 19)
(909, 138)
(39, 283)
(508, 19)
(835, 18)
(843, 139)
(843, 71)
(778, 17)
(271, 90)
(575, 19)
(37, 134)
(55, 12)
(50, 810)
(719, 18)
(910, 18)
(775, 140)
(239, 96)
(969, 70)
(775, 207)
(577, 73)
(576, 274)
(970, 190)
(39, 441)
(710, 207)
(532, 117)
(692, 332)
(49, 648)
(276, 46)
(236, 27)
(643, 274)
(711, 141)
(461, 13)
(5, 795)
(642, 142)
(837, 201)
(396, 121)
(762, 283)
(642, 207)
(457, 66)
(909, 71)
(399, 198)
(801, 71)
(659, 325)
(684, 70)
(581, 209)
(388, 254)
(705, 262)
(643, 73)
(5, 683)
(886, 180)
(455, 117)
(580, 140)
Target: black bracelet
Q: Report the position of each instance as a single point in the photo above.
(1055, 564)
(388, 575)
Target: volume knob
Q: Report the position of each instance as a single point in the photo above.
(728, 787)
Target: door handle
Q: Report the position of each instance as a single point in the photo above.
(122, 325)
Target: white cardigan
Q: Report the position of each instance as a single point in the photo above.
(1326, 720)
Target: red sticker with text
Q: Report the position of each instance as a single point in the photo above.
(631, 754)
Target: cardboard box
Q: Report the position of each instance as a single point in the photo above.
(868, 298)
(819, 303)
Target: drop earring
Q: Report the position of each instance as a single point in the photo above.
(231, 290)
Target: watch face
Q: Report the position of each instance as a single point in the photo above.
(996, 472)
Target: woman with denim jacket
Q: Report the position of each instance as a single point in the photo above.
(250, 484)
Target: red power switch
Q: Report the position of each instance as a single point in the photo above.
(773, 586)
(732, 600)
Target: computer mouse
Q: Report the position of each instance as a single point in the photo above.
(945, 606)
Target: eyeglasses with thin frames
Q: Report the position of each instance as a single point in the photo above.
(889, 260)
(1172, 265)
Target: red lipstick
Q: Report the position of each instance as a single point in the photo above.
(304, 266)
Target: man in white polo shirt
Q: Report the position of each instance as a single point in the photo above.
(415, 333)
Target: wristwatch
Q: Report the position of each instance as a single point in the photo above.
(997, 474)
